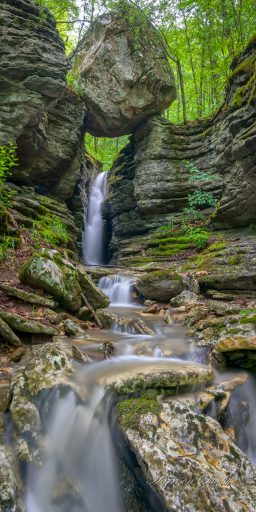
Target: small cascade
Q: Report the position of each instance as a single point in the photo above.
(78, 470)
(93, 239)
(118, 289)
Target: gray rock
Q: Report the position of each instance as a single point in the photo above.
(94, 295)
(23, 324)
(124, 74)
(73, 329)
(26, 296)
(160, 285)
(47, 368)
(11, 488)
(188, 460)
(143, 374)
(8, 334)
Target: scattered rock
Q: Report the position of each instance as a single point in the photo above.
(160, 285)
(80, 356)
(25, 296)
(22, 324)
(73, 329)
(5, 394)
(8, 334)
(17, 354)
(96, 298)
(10, 482)
(184, 298)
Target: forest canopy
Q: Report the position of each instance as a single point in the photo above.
(201, 38)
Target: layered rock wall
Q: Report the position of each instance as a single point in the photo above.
(149, 182)
(38, 112)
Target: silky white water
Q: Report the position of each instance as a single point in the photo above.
(118, 288)
(93, 237)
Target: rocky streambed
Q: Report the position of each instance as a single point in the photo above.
(134, 407)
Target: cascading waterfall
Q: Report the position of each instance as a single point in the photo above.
(118, 289)
(93, 237)
(78, 472)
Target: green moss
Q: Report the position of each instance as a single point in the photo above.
(130, 411)
(170, 240)
(161, 274)
(217, 246)
(246, 65)
(248, 320)
(235, 259)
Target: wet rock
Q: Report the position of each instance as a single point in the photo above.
(25, 296)
(96, 298)
(123, 73)
(190, 461)
(11, 488)
(145, 374)
(124, 324)
(160, 285)
(236, 343)
(22, 324)
(79, 355)
(48, 367)
(73, 329)
(5, 394)
(184, 298)
(239, 351)
(84, 313)
(17, 354)
(54, 275)
(8, 334)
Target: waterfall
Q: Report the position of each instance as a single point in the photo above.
(78, 469)
(118, 289)
(93, 239)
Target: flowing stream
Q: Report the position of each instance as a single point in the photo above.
(93, 237)
(80, 470)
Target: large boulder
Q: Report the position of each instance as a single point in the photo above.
(160, 285)
(123, 72)
(55, 275)
(186, 457)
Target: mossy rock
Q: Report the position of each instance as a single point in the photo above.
(56, 276)
(160, 285)
(130, 411)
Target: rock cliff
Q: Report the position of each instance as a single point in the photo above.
(149, 182)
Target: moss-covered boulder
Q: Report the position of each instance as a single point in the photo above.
(160, 285)
(56, 276)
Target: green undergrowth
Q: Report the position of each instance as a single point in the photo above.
(131, 410)
(249, 316)
(50, 229)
